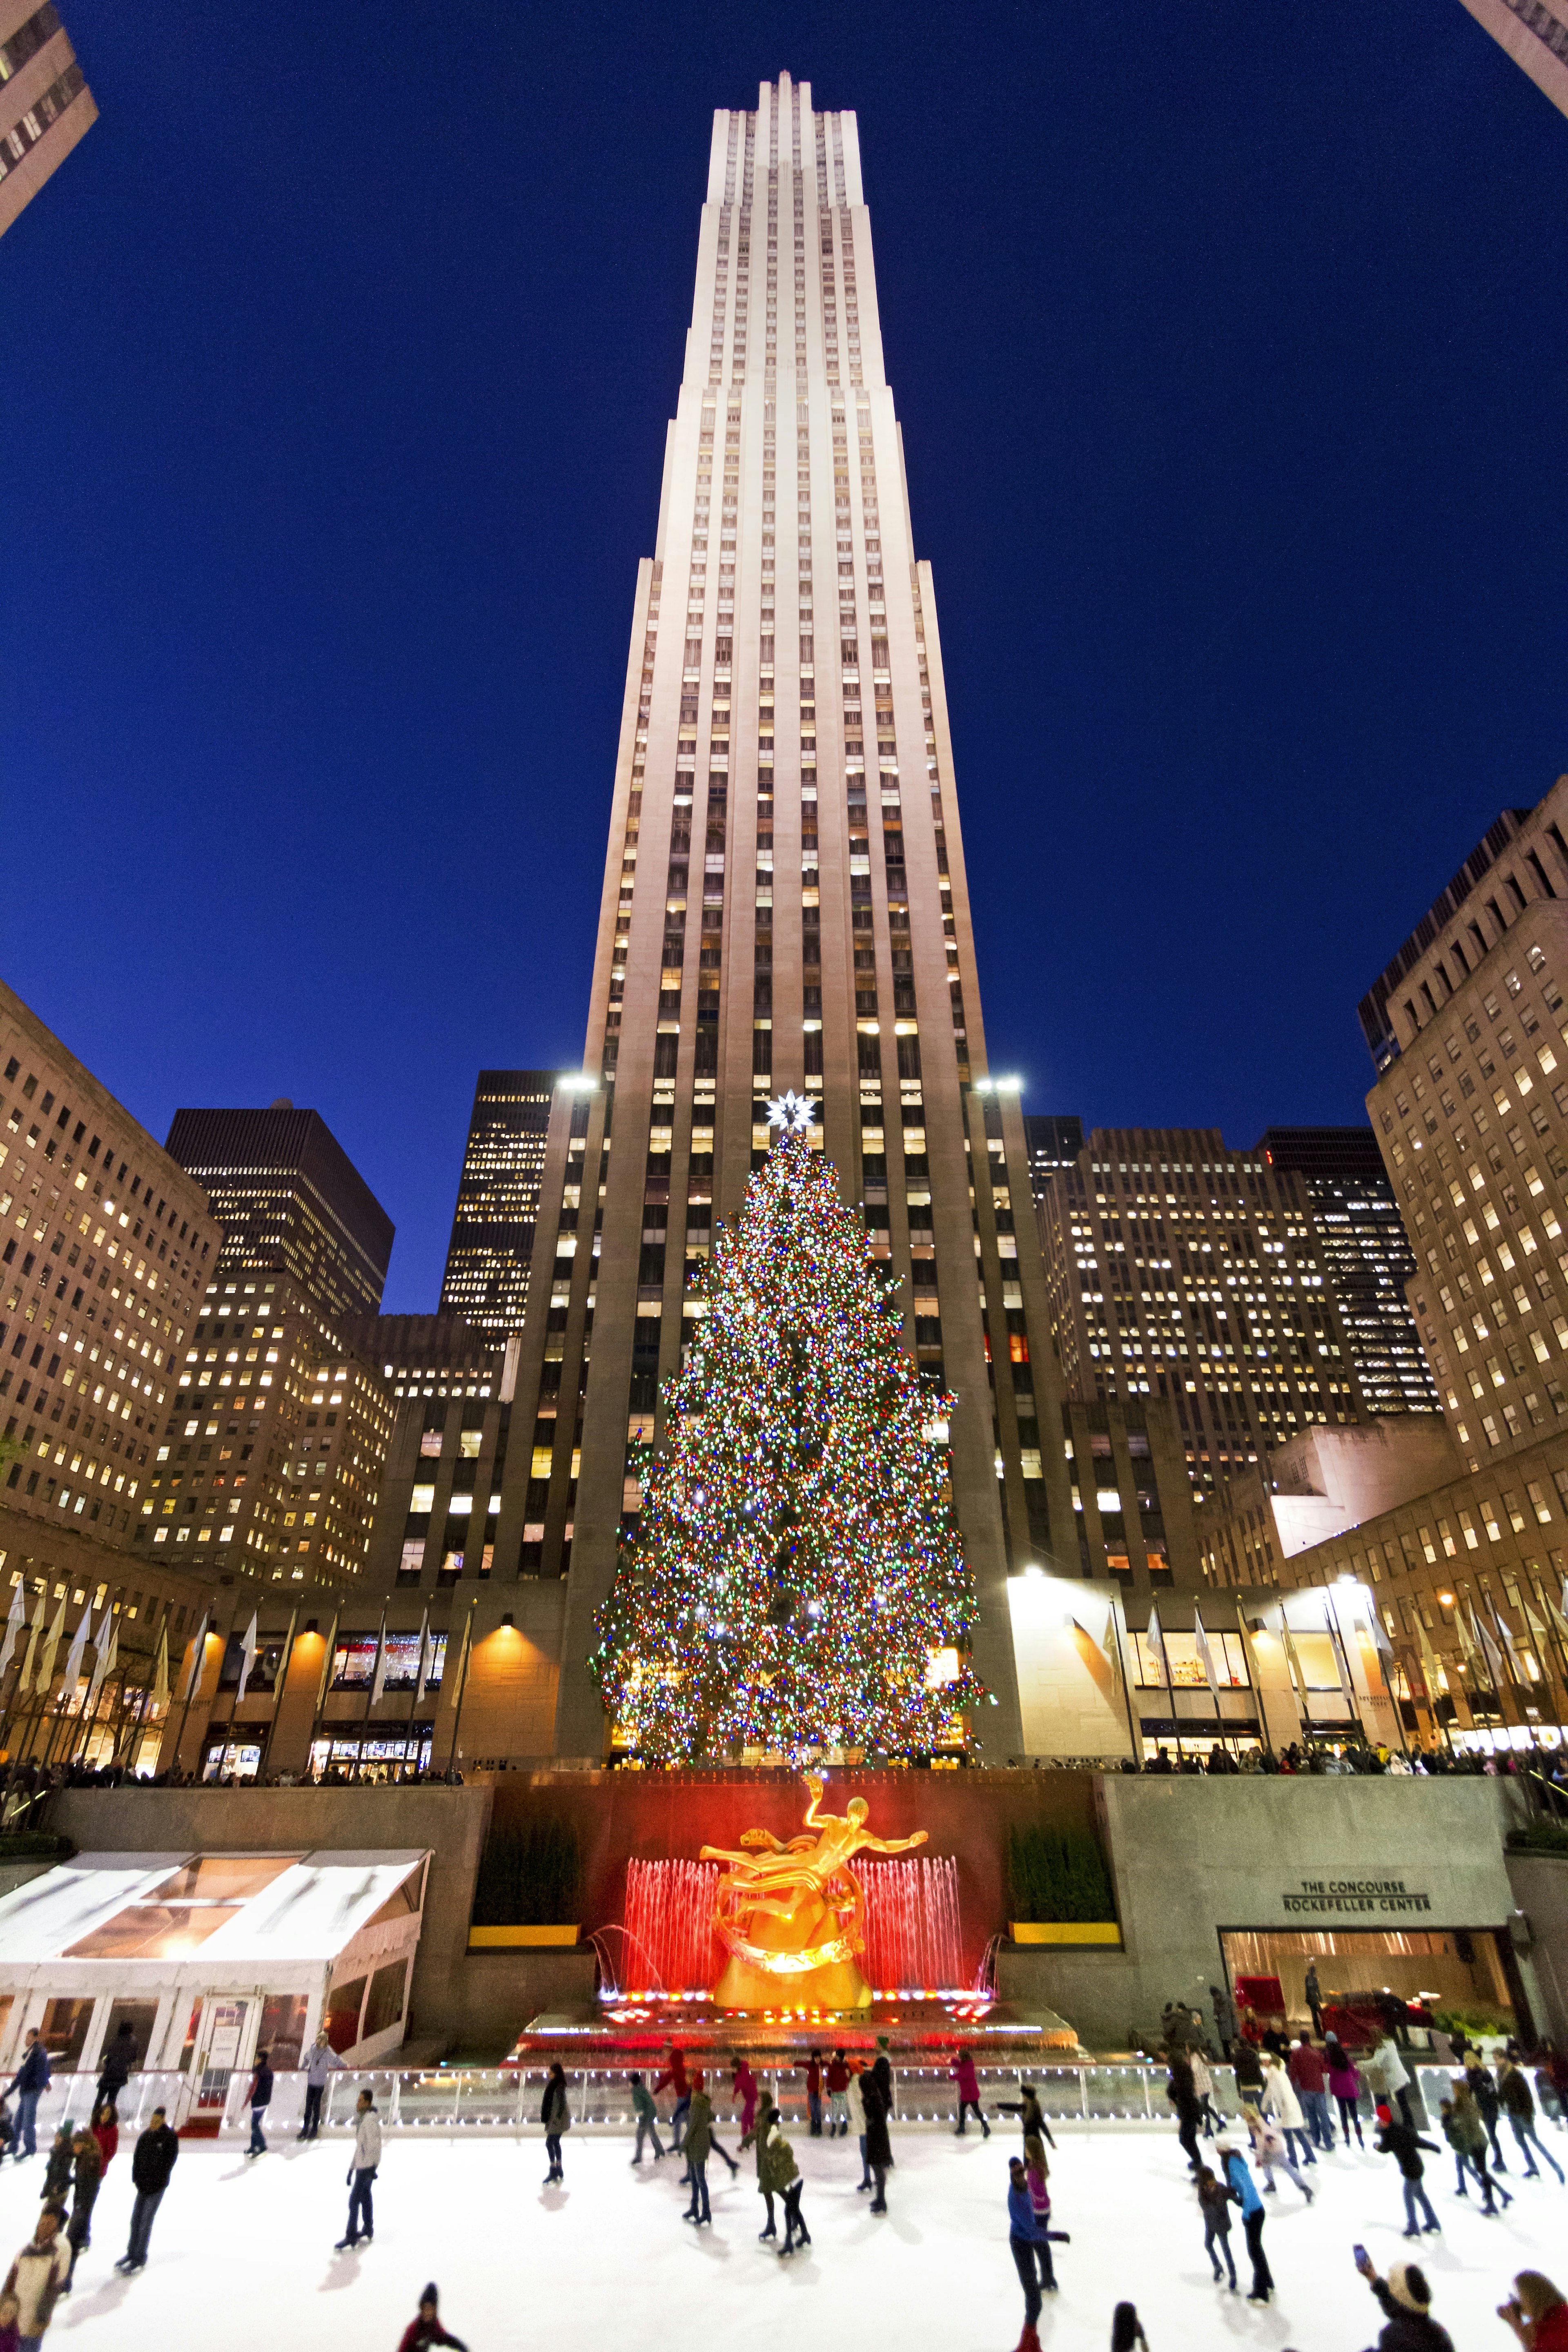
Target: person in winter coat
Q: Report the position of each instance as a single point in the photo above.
(757, 2137)
(1202, 2084)
(1224, 2009)
(1483, 2089)
(838, 2097)
(1537, 2313)
(647, 2117)
(879, 2149)
(1248, 2067)
(86, 2175)
(1037, 2174)
(698, 2130)
(1281, 2102)
(115, 2070)
(1268, 2149)
(555, 2116)
(1404, 2146)
(59, 2165)
(38, 2278)
(1466, 2136)
(1245, 2188)
(106, 2132)
(1519, 2105)
(1310, 2081)
(968, 2081)
(1314, 1992)
(320, 2061)
(427, 2329)
(1406, 2300)
(1026, 2241)
(259, 2099)
(855, 2106)
(1344, 2087)
(1216, 2198)
(30, 2080)
(743, 2091)
(1383, 2073)
(1030, 2114)
(675, 2075)
(1183, 2098)
(785, 2175)
(1127, 2329)
(152, 2164)
(814, 2092)
(362, 2168)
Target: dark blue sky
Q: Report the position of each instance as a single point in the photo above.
(1230, 344)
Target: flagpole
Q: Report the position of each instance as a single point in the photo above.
(1206, 1660)
(193, 1683)
(462, 1686)
(370, 1697)
(1555, 1636)
(278, 1686)
(1170, 1686)
(419, 1679)
(1134, 1731)
(319, 1717)
(1341, 1651)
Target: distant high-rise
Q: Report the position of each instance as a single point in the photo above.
(45, 105)
(785, 905)
(1054, 1140)
(281, 1420)
(487, 1259)
(1367, 1254)
(290, 1201)
(1535, 35)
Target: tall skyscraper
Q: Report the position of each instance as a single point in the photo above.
(1181, 1270)
(1055, 1140)
(45, 105)
(1364, 1245)
(783, 906)
(281, 1424)
(491, 1249)
(1535, 35)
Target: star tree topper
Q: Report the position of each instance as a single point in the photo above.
(791, 1112)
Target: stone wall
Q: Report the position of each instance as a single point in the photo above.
(1540, 1884)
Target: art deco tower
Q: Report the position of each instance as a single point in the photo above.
(783, 906)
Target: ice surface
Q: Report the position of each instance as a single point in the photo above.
(242, 2253)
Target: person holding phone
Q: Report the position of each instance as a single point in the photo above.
(1404, 2298)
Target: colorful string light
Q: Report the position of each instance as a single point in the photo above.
(795, 1568)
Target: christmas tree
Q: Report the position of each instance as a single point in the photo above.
(796, 1566)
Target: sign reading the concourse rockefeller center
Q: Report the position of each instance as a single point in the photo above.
(1358, 1897)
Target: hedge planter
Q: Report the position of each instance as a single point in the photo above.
(1066, 1931)
(518, 1939)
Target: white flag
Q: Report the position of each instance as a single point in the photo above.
(160, 1696)
(1379, 1632)
(1156, 1641)
(14, 1623)
(107, 1654)
(378, 1672)
(1205, 1656)
(73, 1656)
(198, 1659)
(424, 1658)
(247, 1656)
(51, 1644)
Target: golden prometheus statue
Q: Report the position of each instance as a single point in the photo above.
(792, 1917)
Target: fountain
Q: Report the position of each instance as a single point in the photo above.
(914, 1939)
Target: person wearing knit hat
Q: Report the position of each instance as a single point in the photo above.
(1406, 2300)
(427, 2328)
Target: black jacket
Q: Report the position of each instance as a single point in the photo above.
(873, 2099)
(1408, 2331)
(156, 2151)
(261, 2086)
(1398, 2140)
(115, 2071)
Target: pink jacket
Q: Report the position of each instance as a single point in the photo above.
(964, 2074)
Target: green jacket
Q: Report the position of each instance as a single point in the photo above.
(778, 2166)
(759, 2134)
(1516, 2096)
(698, 2127)
(1465, 2132)
(642, 2102)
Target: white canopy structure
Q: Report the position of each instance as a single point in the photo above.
(210, 1958)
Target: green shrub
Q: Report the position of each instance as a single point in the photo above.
(1056, 1875)
(1541, 1837)
(28, 1846)
(530, 1877)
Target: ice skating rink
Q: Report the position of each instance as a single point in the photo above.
(243, 2255)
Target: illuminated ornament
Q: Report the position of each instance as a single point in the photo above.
(791, 1112)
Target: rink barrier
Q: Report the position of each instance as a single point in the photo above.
(450, 2099)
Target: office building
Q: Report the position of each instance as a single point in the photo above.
(1181, 1271)
(1535, 35)
(45, 105)
(1366, 1253)
(491, 1248)
(1053, 1141)
(271, 1456)
(785, 906)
